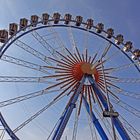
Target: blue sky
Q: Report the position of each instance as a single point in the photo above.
(121, 15)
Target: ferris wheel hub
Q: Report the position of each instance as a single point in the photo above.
(87, 68)
(81, 68)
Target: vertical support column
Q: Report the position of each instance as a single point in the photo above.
(7, 128)
(95, 121)
(67, 113)
(116, 120)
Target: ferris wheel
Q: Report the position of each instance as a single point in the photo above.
(64, 78)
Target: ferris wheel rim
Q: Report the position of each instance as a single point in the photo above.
(6, 45)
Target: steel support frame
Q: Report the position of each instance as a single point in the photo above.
(102, 98)
(95, 120)
(67, 113)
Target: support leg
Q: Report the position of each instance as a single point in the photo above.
(102, 98)
(67, 113)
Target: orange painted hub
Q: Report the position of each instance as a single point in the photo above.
(79, 69)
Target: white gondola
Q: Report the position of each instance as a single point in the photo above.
(45, 18)
(136, 54)
(110, 32)
(119, 39)
(78, 20)
(89, 23)
(67, 18)
(128, 46)
(3, 36)
(100, 27)
(56, 17)
(110, 114)
(13, 27)
(23, 23)
(34, 20)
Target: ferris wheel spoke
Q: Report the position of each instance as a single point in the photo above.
(86, 55)
(66, 60)
(106, 50)
(68, 83)
(109, 91)
(23, 63)
(62, 78)
(56, 76)
(60, 83)
(45, 44)
(55, 68)
(122, 67)
(71, 38)
(77, 58)
(78, 53)
(86, 41)
(25, 79)
(72, 56)
(93, 58)
(72, 86)
(32, 51)
(26, 97)
(38, 113)
(128, 108)
(130, 128)
(126, 80)
(60, 63)
(58, 39)
(108, 84)
(120, 91)
(115, 54)
(83, 57)
(128, 93)
(98, 64)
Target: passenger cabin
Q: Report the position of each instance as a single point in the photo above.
(45, 18)
(13, 27)
(89, 23)
(136, 54)
(128, 46)
(23, 23)
(56, 17)
(110, 114)
(34, 20)
(3, 36)
(119, 39)
(67, 18)
(100, 27)
(110, 33)
(78, 20)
